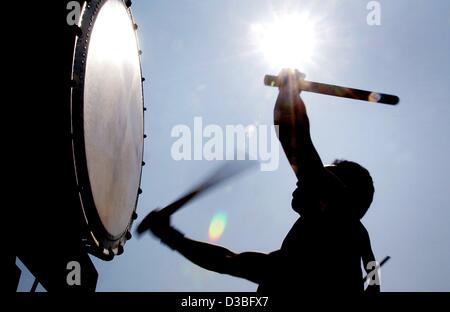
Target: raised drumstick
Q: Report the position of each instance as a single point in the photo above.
(351, 93)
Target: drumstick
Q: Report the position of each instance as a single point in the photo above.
(221, 174)
(340, 91)
(386, 259)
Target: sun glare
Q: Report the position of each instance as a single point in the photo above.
(289, 41)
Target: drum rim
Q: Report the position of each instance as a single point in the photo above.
(97, 234)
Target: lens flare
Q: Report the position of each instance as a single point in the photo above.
(374, 97)
(217, 226)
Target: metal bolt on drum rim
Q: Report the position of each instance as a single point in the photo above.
(107, 108)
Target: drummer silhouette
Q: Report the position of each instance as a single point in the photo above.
(323, 250)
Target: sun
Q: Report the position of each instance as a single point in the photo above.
(290, 40)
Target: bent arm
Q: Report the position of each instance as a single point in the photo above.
(366, 248)
(248, 265)
(368, 259)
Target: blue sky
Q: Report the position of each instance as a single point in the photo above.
(199, 61)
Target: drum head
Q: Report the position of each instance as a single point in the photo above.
(107, 120)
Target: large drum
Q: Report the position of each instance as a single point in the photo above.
(107, 122)
(84, 149)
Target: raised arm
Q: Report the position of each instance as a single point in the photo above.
(294, 131)
(248, 265)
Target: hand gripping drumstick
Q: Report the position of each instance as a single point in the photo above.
(223, 173)
(340, 91)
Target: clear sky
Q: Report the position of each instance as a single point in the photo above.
(200, 60)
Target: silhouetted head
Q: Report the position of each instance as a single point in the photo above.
(358, 182)
(359, 191)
